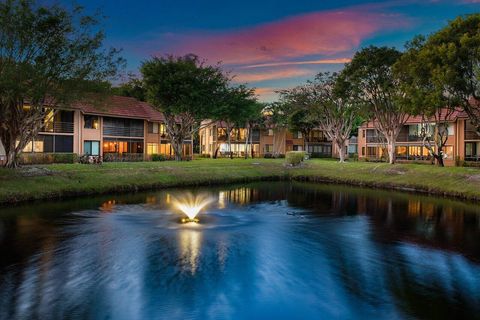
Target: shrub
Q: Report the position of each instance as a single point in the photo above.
(124, 157)
(47, 158)
(158, 157)
(294, 158)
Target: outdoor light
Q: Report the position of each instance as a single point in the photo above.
(191, 205)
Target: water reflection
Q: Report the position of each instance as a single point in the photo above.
(190, 242)
(268, 250)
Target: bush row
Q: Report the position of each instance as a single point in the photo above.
(47, 158)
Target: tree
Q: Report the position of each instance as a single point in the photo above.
(452, 60)
(302, 114)
(48, 56)
(275, 117)
(371, 80)
(338, 111)
(132, 88)
(235, 110)
(186, 90)
(249, 117)
(425, 95)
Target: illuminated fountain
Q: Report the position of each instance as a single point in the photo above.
(191, 205)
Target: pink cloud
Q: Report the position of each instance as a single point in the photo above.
(289, 63)
(258, 76)
(324, 33)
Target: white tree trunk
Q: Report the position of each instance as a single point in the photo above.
(340, 147)
(391, 150)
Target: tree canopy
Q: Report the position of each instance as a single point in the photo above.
(373, 85)
(48, 56)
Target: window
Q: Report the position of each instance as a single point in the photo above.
(470, 149)
(28, 147)
(297, 135)
(270, 132)
(451, 129)
(91, 122)
(163, 129)
(401, 151)
(152, 148)
(38, 145)
(63, 143)
(363, 148)
(153, 127)
(448, 152)
(297, 148)
(91, 148)
(363, 133)
(268, 148)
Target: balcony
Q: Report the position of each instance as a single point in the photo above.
(318, 139)
(375, 139)
(58, 127)
(475, 158)
(122, 131)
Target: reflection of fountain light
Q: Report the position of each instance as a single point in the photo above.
(191, 205)
(221, 200)
(190, 249)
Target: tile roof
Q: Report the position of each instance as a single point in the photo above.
(117, 106)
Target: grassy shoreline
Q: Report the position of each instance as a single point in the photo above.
(68, 180)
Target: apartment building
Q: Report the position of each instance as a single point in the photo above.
(121, 128)
(265, 142)
(463, 142)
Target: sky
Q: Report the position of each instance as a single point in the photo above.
(270, 45)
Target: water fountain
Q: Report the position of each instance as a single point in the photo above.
(191, 205)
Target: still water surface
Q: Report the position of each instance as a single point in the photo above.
(262, 251)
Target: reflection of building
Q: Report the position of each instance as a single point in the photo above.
(463, 141)
(119, 128)
(265, 142)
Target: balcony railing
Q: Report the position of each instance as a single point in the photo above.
(58, 127)
(475, 158)
(318, 139)
(375, 139)
(123, 132)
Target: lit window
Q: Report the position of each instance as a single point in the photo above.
(38, 146)
(163, 128)
(152, 148)
(270, 132)
(91, 122)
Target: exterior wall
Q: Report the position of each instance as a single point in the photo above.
(280, 142)
(455, 143)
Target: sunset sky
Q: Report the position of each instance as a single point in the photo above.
(269, 44)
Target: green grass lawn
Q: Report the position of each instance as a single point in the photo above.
(60, 180)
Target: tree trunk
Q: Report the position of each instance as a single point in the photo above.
(247, 136)
(252, 153)
(340, 145)
(439, 157)
(391, 150)
(9, 144)
(11, 160)
(229, 139)
(177, 147)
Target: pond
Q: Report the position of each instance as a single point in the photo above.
(270, 250)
